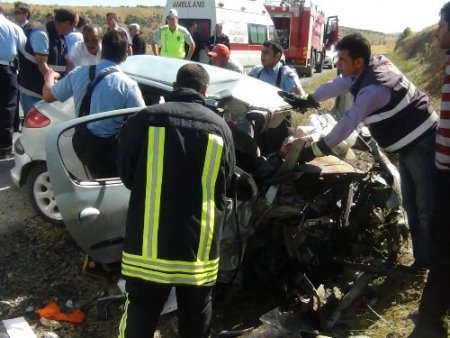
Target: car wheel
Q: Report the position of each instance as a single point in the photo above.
(41, 194)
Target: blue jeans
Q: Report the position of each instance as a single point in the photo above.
(416, 164)
(27, 102)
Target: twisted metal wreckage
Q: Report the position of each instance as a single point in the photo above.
(321, 232)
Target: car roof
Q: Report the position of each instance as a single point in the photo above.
(160, 72)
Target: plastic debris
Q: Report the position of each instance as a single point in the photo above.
(52, 311)
(18, 328)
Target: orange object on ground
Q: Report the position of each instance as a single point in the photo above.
(75, 317)
(52, 311)
(48, 310)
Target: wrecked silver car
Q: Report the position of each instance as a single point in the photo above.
(292, 226)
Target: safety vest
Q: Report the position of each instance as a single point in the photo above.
(30, 78)
(172, 43)
(406, 117)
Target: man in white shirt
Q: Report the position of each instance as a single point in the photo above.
(88, 51)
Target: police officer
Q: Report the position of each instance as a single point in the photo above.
(177, 158)
(22, 14)
(12, 39)
(44, 49)
(171, 39)
(274, 72)
(95, 145)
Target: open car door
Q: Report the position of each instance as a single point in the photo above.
(94, 209)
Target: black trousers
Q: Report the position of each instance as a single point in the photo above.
(8, 103)
(145, 301)
(435, 301)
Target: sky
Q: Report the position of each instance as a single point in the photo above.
(388, 16)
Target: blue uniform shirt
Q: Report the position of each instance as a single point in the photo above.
(39, 41)
(289, 78)
(12, 38)
(115, 91)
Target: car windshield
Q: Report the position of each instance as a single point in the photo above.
(224, 83)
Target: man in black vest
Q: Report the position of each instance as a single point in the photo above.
(399, 117)
(45, 50)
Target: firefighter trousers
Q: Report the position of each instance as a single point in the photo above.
(145, 301)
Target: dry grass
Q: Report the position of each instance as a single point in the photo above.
(149, 17)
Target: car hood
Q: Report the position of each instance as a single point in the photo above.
(224, 84)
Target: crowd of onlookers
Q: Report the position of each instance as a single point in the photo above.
(67, 40)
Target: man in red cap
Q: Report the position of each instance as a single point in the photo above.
(220, 57)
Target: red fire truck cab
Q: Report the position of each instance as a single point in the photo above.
(304, 33)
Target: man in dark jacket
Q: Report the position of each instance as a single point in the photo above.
(177, 158)
(139, 45)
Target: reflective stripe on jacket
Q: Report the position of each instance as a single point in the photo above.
(30, 78)
(408, 114)
(178, 175)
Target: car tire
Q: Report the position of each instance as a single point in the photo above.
(41, 194)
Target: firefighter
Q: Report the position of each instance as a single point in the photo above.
(399, 117)
(177, 158)
(274, 72)
(172, 38)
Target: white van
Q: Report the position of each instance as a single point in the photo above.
(246, 22)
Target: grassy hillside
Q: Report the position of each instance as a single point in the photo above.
(375, 38)
(419, 55)
(149, 17)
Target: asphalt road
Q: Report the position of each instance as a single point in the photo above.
(15, 207)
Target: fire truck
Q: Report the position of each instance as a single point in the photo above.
(304, 32)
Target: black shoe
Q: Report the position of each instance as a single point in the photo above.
(412, 269)
(423, 330)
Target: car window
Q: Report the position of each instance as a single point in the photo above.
(89, 159)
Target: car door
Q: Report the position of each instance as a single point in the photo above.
(94, 209)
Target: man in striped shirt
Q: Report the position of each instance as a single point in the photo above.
(435, 302)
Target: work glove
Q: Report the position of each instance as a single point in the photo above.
(316, 149)
(300, 102)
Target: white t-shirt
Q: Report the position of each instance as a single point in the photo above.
(80, 56)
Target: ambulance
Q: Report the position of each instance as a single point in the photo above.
(246, 22)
